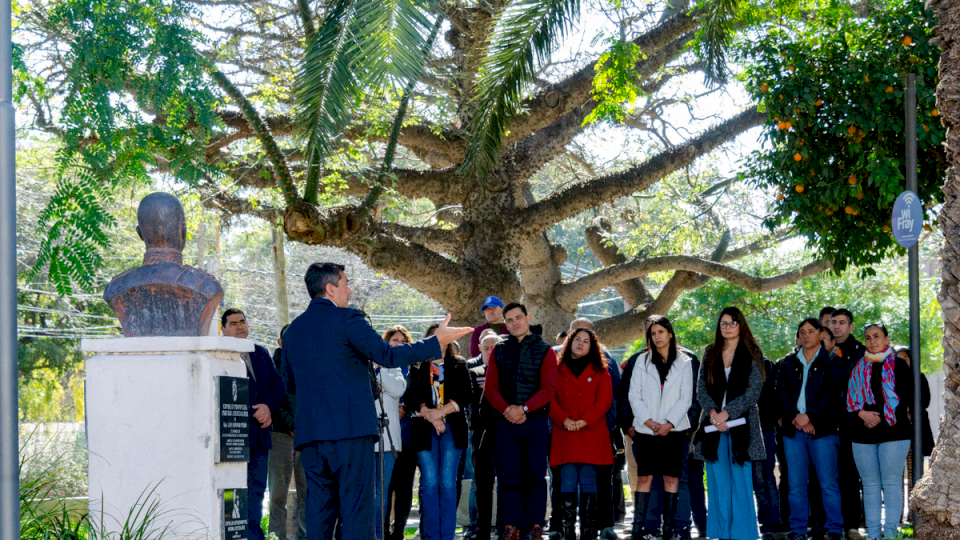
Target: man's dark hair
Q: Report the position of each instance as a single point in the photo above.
(319, 275)
(284, 329)
(229, 312)
(845, 312)
(562, 335)
(829, 310)
(815, 323)
(514, 305)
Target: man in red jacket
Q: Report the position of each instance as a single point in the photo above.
(521, 382)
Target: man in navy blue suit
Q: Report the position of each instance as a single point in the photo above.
(326, 364)
(266, 392)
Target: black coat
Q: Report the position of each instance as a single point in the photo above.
(769, 403)
(824, 393)
(457, 388)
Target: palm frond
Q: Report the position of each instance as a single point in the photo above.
(523, 40)
(718, 25)
(358, 43)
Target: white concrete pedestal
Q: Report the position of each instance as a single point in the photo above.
(152, 424)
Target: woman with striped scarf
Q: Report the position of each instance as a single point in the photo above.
(879, 394)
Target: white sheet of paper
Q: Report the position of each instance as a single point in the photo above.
(732, 423)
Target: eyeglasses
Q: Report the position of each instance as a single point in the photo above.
(725, 324)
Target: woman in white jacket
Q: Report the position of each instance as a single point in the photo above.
(392, 385)
(661, 392)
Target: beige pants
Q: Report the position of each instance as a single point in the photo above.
(631, 465)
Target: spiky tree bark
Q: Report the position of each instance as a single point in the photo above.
(936, 498)
(498, 242)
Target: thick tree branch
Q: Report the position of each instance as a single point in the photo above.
(633, 291)
(414, 264)
(590, 193)
(556, 101)
(434, 239)
(570, 293)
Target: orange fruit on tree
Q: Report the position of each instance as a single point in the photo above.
(799, 188)
(764, 87)
(829, 212)
(926, 227)
(852, 130)
(819, 207)
(852, 180)
(934, 112)
(819, 102)
(779, 196)
(781, 125)
(787, 125)
(907, 40)
(797, 111)
(792, 69)
(866, 78)
(889, 90)
(797, 157)
(855, 211)
(886, 228)
(860, 196)
(926, 129)
(848, 209)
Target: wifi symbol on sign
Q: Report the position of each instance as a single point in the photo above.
(908, 198)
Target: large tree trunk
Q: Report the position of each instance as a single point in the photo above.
(936, 498)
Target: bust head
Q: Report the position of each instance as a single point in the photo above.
(162, 225)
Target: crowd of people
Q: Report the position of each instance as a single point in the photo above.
(358, 413)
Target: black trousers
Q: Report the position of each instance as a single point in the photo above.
(484, 477)
(851, 505)
(400, 496)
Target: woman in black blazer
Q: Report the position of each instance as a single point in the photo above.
(438, 392)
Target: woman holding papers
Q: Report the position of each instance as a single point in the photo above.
(661, 391)
(729, 438)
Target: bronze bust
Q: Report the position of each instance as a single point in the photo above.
(163, 297)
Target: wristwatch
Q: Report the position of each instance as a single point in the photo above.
(525, 410)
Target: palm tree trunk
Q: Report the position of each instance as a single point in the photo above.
(936, 498)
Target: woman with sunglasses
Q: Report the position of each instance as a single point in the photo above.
(729, 438)
(879, 396)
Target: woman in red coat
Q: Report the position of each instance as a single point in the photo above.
(580, 438)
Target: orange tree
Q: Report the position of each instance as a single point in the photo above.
(833, 89)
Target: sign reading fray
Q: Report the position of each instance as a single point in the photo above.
(907, 220)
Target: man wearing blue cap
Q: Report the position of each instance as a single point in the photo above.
(492, 311)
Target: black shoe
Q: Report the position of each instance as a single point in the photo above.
(669, 514)
(588, 503)
(640, 501)
(609, 534)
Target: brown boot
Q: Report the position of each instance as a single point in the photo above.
(536, 532)
(512, 533)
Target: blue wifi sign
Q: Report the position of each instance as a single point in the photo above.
(907, 219)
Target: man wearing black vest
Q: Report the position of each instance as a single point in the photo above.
(521, 380)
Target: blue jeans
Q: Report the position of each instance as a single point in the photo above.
(522, 471)
(730, 496)
(388, 461)
(881, 468)
(801, 450)
(438, 486)
(765, 486)
(256, 486)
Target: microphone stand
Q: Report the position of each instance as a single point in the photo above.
(383, 423)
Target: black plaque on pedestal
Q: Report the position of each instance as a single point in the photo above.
(234, 516)
(234, 411)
